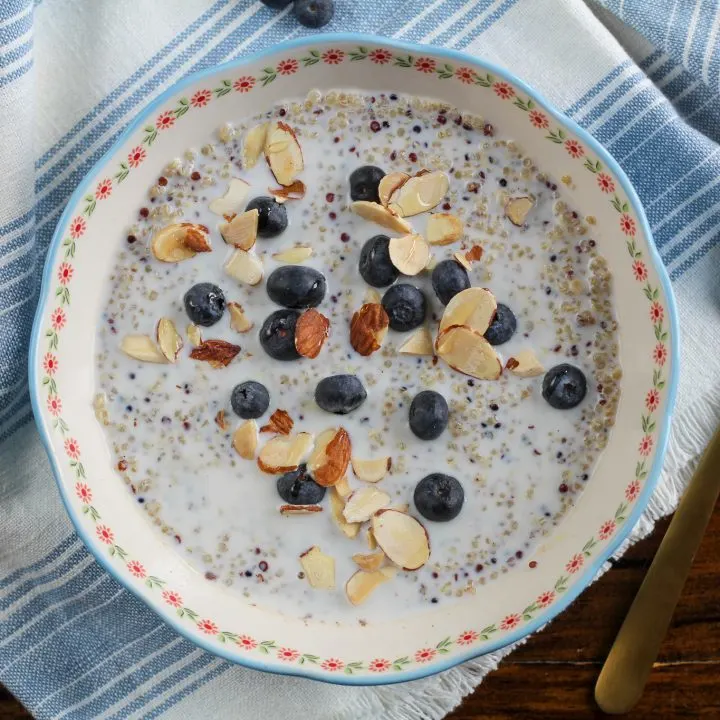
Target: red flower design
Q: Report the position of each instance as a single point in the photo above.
(244, 84)
(54, 405)
(605, 183)
(632, 490)
(50, 363)
(503, 90)
(333, 57)
(510, 621)
(58, 318)
(425, 655)
(172, 598)
(104, 189)
(425, 65)
(65, 273)
(546, 598)
(465, 75)
(201, 98)
(246, 642)
(287, 67)
(660, 354)
(574, 148)
(136, 156)
(467, 638)
(657, 312)
(83, 492)
(333, 665)
(380, 56)
(72, 448)
(627, 224)
(652, 400)
(379, 665)
(105, 534)
(208, 627)
(645, 447)
(639, 270)
(288, 654)
(538, 119)
(575, 563)
(607, 529)
(137, 569)
(165, 120)
(77, 227)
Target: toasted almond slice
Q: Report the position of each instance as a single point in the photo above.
(362, 583)
(319, 568)
(370, 539)
(402, 507)
(141, 347)
(280, 422)
(245, 439)
(372, 297)
(368, 328)
(389, 184)
(343, 487)
(337, 504)
(168, 243)
(517, 209)
(232, 200)
(220, 420)
(283, 153)
(197, 239)
(409, 253)
(194, 335)
(300, 509)
(311, 332)
(294, 191)
(474, 307)
(254, 144)
(419, 194)
(168, 339)
(459, 258)
(284, 453)
(369, 561)
(364, 503)
(293, 255)
(371, 470)
(245, 267)
(468, 352)
(331, 457)
(443, 229)
(474, 254)
(219, 353)
(387, 218)
(402, 538)
(241, 231)
(419, 343)
(239, 321)
(524, 364)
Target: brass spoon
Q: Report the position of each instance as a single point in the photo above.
(626, 670)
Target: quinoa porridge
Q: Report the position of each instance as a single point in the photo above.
(253, 276)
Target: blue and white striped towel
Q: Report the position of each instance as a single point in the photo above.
(642, 75)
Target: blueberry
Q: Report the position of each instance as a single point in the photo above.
(376, 267)
(564, 386)
(340, 394)
(314, 13)
(428, 415)
(272, 216)
(276, 4)
(448, 279)
(298, 488)
(277, 335)
(502, 327)
(364, 183)
(296, 286)
(250, 399)
(405, 306)
(439, 497)
(204, 304)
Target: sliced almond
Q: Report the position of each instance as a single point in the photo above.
(241, 231)
(362, 584)
(371, 470)
(170, 245)
(300, 509)
(280, 422)
(293, 255)
(220, 420)
(331, 457)
(419, 343)
(443, 229)
(194, 334)
(283, 153)
(474, 254)
(517, 209)
(402, 538)
(233, 199)
(295, 191)
(239, 321)
(462, 260)
(141, 347)
(169, 339)
(254, 144)
(419, 194)
(369, 561)
(387, 218)
(245, 267)
(245, 439)
(219, 353)
(409, 253)
(468, 352)
(524, 364)
(319, 568)
(311, 332)
(343, 487)
(372, 297)
(370, 539)
(474, 307)
(368, 328)
(337, 504)
(389, 184)
(284, 453)
(402, 507)
(364, 503)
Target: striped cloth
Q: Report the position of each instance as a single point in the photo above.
(642, 75)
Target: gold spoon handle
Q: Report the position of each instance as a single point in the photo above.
(636, 646)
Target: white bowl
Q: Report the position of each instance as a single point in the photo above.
(62, 366)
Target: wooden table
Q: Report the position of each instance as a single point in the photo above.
(554, 674)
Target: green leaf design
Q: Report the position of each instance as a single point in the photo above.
(445, 72)
(307, 61)
(94, 514)
(224, 89)
(309, 658)
(489, 630)
(561, 584)
(400, 663)
(640, 472)
(589, 545)
(350, 668)
(149, 139)
(556, 137)
(444, 646)
(90, 208)
(522, 104)
(593, 167)
(154, 582)
(224, 636)
(656, 293)
(122, 554)
(615, 202)
(484, 81)
(266, 645)
(191, 614)
(620, 512)
(625, 207)
(268, 76)
(405, 62)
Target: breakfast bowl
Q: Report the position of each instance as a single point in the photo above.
(171, 501)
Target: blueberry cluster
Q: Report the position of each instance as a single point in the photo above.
(310, 13)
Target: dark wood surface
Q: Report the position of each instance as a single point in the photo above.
(554, 674)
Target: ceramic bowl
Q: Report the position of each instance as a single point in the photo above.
(117, 532)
